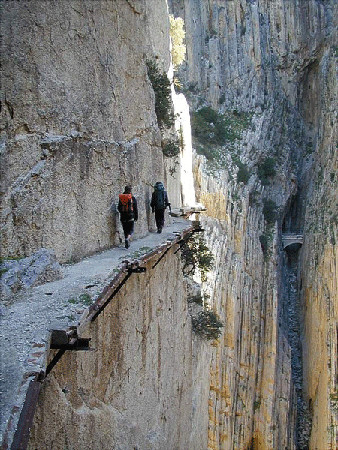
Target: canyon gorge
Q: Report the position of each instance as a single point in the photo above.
(250, 140)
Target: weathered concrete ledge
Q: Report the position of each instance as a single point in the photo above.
(28, 319)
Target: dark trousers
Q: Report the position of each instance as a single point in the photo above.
(159, 218)
(128, 228)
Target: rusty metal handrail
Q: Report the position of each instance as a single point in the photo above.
(22, 432)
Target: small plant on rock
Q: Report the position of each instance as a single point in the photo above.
(257, 404)
(85, 299)
(270, 216)
(270, 212)
(171, 148)
(266, 170)
(207, 324)
(162, 90)
(211, 128)
(243, 173)
(196, 256)
(199, 299)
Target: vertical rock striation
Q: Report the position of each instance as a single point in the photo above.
(135, 389)
(78, 123)
(318, 284)
(275, 60)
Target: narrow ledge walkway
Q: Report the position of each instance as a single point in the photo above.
(26, 322)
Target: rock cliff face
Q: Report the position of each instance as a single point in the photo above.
(319, 270)
(79, 124)
(135, 389)
(78, 121)
(276, 60)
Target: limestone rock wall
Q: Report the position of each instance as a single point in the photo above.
(70, 144)
(250, 403)
(277, 60)
(135, 389)
(239, 51)
(78, 121)
(319, 268)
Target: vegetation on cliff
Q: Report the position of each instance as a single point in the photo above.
(162, 90)
(197, 256)
(212, 128)
(217, 134)
(164, 109)
(207, 324)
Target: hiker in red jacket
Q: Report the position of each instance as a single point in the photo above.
(128, 213)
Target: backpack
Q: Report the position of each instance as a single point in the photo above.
(159, 197)
(127, 203)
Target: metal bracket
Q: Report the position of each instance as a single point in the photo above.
(63, 340)
(106, 303)
(54, 361)
(68, 340)
(136, 269)
(130, 270)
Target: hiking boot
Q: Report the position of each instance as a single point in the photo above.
(159, 230)
(126, 243)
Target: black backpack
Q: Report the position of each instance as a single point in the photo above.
(159, 196)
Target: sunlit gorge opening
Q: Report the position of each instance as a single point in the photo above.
(182, 125)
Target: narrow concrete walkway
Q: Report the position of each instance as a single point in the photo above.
(25, 321)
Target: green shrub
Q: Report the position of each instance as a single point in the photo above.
(263, 239)
(199, 299)
(207, 324)
(270, 216)
(253, 198)
(171, 148)
(86, 299)
(162, 90)
(270, 212)
(257, 404)
(266, 240)
(243, 173)
(209, 152)
(196, 299)
(193, 87)
(266, 170)
(196, 255)
(210, 127)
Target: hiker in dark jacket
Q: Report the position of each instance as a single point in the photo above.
(159, 202)
(128, 213)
